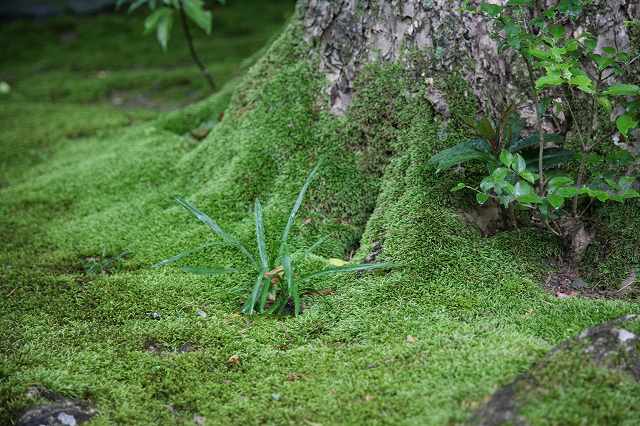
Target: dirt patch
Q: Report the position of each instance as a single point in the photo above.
(565, 281)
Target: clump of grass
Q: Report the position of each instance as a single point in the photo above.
(275, 281)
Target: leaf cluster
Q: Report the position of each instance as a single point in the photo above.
(276, 277)
(162, 13)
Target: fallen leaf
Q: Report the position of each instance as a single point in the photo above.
(199, 420)
(233, 361)
(306, 221)
(337, 262)
(411, 339)
(369, 398)
(563, 295)
(294, 377)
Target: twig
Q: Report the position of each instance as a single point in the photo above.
(194, 55)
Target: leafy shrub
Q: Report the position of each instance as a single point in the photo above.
(568, 75)
(161, 20)
(277, 278)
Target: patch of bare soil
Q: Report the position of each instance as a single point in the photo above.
(565, 281)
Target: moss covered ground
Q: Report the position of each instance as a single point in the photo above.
(82, 176)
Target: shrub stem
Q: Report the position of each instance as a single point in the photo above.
(194, 55)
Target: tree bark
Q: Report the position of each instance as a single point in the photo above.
(348, 34)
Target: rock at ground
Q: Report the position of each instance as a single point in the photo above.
(611, 345)
(59, 413)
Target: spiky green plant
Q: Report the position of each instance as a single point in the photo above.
(277, 277)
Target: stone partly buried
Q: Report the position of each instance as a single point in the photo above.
(610, 345)
(58, 411)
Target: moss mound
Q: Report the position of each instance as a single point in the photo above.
(421, 345)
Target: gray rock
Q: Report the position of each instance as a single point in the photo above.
(610, 345)
(59, 413)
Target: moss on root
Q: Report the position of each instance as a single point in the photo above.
(473, 307)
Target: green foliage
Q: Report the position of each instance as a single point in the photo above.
(567, 71)
(492, 139)
(474, 308)
(269, 280)
(162, 15)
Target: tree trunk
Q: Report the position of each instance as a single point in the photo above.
(348, 34)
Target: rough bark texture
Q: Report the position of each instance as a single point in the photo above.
(350, 33)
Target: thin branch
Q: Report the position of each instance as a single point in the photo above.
(194, 55)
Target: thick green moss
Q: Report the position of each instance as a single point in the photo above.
(473, 305)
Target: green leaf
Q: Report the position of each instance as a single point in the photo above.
(529, 176)
(292, 285)
(485, 129)
(315, 245)
(152, 20)
(631, 193)
(136, 4)
(227, 238)
(182, 255)
(557, 31)
(525, 193)
(476, 149)
(540, 54)
(559, 181)
(458, 187)
(552, 158)
(582, 82)
(194, 10)
(625, 123)
(520, 164)
(260, 239)
(481, 197)
(605, 103)
(163, 31)
(601, 195)
(506, 158)
(249, 307)
(351, 268)
(626, 182)
(490, 9)
(294, 211)
(623, 90)
(556, 201)
(549, 80)
(203, 270)
(534, 140)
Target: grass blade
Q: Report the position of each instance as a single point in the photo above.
(292, 285)
(315, 245)
(174, 259)
(351, 268)
(294, 211)
(279, 305)
(250, 305)
(202, 270)
(264, 293)
(262, 246)
(227, 238)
